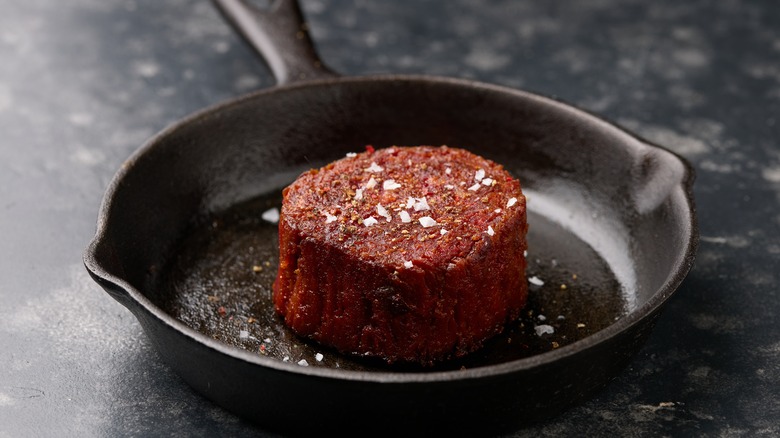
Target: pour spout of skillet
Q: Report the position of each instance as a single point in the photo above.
(280, 35)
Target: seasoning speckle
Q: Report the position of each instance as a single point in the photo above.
(420, 204)
(382, 211)
(369, 221)
(427, 221)
(271, 215)
(544, 329)
(390, 184)
(374, 168)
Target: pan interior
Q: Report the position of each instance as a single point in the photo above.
(183, 220)
(219, 283)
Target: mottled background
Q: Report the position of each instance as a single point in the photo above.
(84, 82)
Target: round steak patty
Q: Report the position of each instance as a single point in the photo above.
(408, 254)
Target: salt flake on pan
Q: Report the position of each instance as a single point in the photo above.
(303, 363)
(479, 174)
(421, 204)
(490, 231)
(544, 329)
(329, 218)
(351, 154)
(405, 218)
(271, 215)
(382, 211)
(408, 264)
(536, 281)
(427, 221)
(474, 188)
(511, 202)
(358, 194)
(390, 184)
(319, 357)
(371, 183)
(374, 168)
(487, 181)
(369, 221)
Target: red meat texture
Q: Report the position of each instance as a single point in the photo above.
(407, 254)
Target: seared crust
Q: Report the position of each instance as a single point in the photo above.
(412, 254)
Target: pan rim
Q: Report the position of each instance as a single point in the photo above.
(632, 318)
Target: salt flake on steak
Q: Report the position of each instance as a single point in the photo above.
(369, 221)
(390, 184)
(427, 221)
(421, 204)
(374, 168)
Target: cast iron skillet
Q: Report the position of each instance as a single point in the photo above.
(181, 244)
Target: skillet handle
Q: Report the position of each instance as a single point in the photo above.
(280, 35)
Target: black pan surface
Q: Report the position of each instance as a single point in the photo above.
(182, 244)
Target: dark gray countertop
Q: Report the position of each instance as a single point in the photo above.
(83, 83)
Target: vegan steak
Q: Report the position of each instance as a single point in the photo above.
(407, 254)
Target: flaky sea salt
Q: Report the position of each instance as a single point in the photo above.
(408, 264)
(271, 215)
(421, 204)
(448, 171)
(487, 181)
(536, 281)
(490, 231)
(498, 210)
(371, 183)
(442, 231)
(405, 218)
(390, 184)
(303, 363)
(374, 168)
(511, 202)
(319, 357)
(369, 221)
(382, 211)
(409, 202)
(329, 218)
(479, 174)
(427, 221)
(449, 186)
(544, 329)
(351, 154)
(358, 194)
(243, 334)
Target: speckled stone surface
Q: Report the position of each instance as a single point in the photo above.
(83, 83)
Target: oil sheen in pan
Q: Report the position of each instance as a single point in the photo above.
(219, 283)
